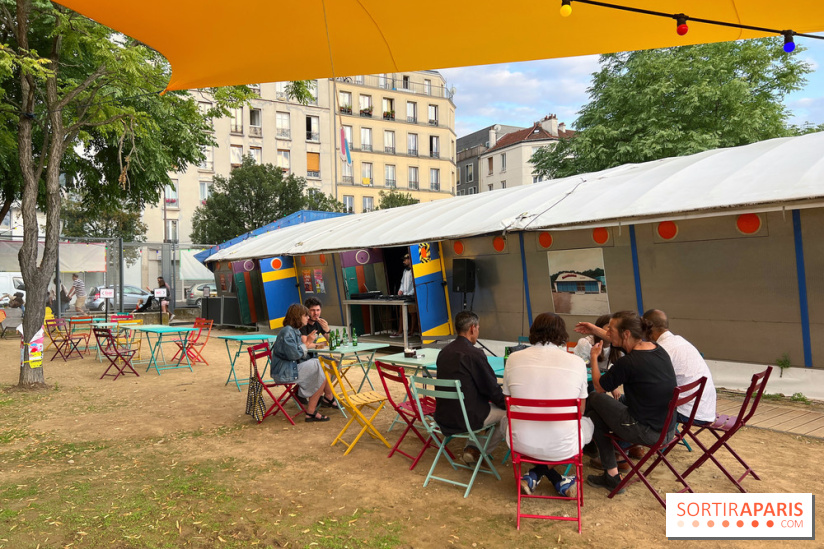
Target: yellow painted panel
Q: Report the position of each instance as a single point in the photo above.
(276, 323)
(279, 275)
(442, 330)
(422, 269)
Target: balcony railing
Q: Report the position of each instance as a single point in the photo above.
(346, 109)
(413, 185)
(255, 131)
(366, 113)
(433, 121)
(281, 96)
(348, 179)
(434, 154)
(390, 82)
(206, 165)
(313, 136)
(390, 150)
(389, 115)
(412, 152)
(172, 203)
(366, 147)
(412, 119)
(236, 128)
(314, 175)
(284, 133)
(435, 186)
(391, 183)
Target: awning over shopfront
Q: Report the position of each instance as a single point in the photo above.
(770, 175)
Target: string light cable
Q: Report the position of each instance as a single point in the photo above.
(681, 21)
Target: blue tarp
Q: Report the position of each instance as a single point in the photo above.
(302, 216)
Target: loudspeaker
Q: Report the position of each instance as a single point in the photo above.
(463, 275)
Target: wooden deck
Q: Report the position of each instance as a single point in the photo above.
(779, 417)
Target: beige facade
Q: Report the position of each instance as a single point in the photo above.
(401, 132)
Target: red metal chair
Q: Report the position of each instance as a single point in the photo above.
(546, 410)
(724, 427)
(120, 358)
(196, 341)
(685, 394)
(82, 326)
(65, 344)
(290, 390)
(407, 410)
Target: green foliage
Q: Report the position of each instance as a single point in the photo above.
(395, 199)
(320, 202)
(783, 363)
(799, 397)
(254, 195)
(120, 221)
(646, 105)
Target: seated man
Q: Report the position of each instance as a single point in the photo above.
(483, 398)
(546, 371)
(648, 378)
(689, 366)
(316, 323)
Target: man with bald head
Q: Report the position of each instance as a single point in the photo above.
(688, 363)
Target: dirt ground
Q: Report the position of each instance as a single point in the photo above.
(285, 485)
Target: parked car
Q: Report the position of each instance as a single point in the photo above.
(131, 295)
(11, 283)
(195, 294)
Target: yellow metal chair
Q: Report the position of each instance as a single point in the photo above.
(128, 338)
(354, 404)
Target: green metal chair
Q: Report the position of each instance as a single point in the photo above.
(451, 389)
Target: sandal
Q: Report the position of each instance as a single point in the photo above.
(315, 416)
(328, 403)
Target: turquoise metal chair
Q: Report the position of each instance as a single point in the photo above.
(451, 389)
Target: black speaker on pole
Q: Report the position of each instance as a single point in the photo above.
(463, 275)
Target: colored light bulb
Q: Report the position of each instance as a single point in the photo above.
(566, 8)
(789, 44)
(681, 21)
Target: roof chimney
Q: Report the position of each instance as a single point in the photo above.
(561, 127)
(550, 124)
(493, 135)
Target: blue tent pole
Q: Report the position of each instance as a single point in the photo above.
(801, 274)
(639, 298)
(337, 289)
(526, 278)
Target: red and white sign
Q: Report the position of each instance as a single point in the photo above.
(107, 293)
(740, 516)
(160, 292)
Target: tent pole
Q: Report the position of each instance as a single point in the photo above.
(636, 272)
(802, 289)
(526, 278)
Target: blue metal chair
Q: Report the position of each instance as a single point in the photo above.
(451, 389)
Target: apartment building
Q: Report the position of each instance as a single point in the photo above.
(506, 163)
(274, 130)
(401, 133)
(470, 149)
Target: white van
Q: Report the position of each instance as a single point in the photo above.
(10, 283)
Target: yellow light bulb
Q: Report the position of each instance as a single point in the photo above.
(566, 10)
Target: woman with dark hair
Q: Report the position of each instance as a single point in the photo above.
(547, 371)
(291, 363)
(648, 378)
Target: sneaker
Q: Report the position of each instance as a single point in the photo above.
(171, 317)
(471, 455)
(605, 481)
(566, 487)
(529, 482)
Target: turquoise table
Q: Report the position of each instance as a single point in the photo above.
(246, 340)
(160, 331)
(363, 353)
(427, 359)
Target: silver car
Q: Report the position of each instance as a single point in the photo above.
(195, 294)
(131, 295)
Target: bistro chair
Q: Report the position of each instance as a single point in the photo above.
(255, 405)
(120, 358)
(128, 337)
(546, 411)
(683, 395)
(119, 317)
(354, 403)
(451, 389)
(725, 426)
(196, 343)
(65, 344)
(82, 326)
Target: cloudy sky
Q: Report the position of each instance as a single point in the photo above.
(519, 94)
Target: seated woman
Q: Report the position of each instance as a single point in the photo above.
(291, 363)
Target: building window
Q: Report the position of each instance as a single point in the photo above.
(434, 179)
(284, 161)
(347, 134)
(170, 195)
(346, 173)
(412, 144)
(406, 82)
(503, 184)
(283, 125)
(345, 100)
(349, 203)
(366, 174)
(413, 178)
(390, 176)
(503, 162)
(434, 146)
(236, 122)
(388, 109)
(472, 190)
(382, 81)
(365, 105)
(257, 154)
(538, 178)
(427, 87)
(208, 162)
(490, 186)
(359, 79)
(412, 112)
(489, 161)
(368, 203)
(280, 91)
(205, 190)
(255, 123)
(366, 139)
(470, 173)
(236, 155)
(312, 128)
(313, 165)
(171, 230)
(313, 92)
(433, 115)
(389, 142)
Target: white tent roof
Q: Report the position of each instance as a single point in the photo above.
(764, 176)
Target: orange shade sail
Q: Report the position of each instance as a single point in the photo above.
(220, 42)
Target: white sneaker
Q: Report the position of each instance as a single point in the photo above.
(171, 317)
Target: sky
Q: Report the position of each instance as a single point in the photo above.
(520, 94)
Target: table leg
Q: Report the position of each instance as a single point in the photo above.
(185, 352)
(405, 313)
(153, 348)
(365, 370)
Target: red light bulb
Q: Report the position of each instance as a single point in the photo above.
(682, 29)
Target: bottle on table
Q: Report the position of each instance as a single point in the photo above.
(354, 337)
(506, 355)
(344, 339)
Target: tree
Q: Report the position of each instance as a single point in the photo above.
(646, 105)
(321, 202)
(120, 221)
(253, 195)
(395, 199)
(81, 100)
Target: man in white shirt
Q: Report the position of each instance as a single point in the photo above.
(407, 288)
(689, 366)
(547, 371)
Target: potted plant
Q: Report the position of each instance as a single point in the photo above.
(389, 115)
(346, 109)
(366, 111)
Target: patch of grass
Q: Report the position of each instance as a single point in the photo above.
(11, 435)
(773, 396)
(799, 397)
(352, 531)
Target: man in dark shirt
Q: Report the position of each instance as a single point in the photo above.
(483, 397)
(316, 323)
(648, 378)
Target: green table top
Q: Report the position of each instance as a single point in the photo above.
(430, 358)
(161, 329)
(101, 324)
(349, 349)
(250, 337)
